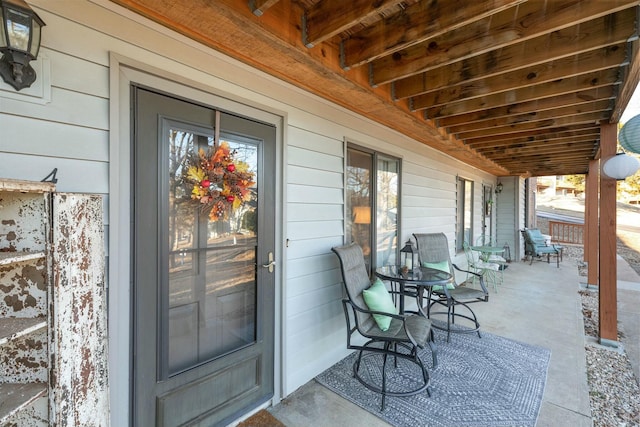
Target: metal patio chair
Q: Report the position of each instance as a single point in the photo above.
(405, 335)
(487, 269)
(433, 251)
(536, 246)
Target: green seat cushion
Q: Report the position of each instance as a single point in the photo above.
(378, 298)
(442, 266)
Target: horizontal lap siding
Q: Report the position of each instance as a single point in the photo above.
(71, 132)
(315, 322)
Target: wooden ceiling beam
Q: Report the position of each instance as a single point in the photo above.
(578, 119)
(537, 151)
(419, 22)
(552, 102)
(533, 135)
(543, 73)
(630, 84)
(595, 106)
(597, 37)
(329, 18)
(258, 7)
(513, 81)
(509, 148)
(499, 31)
(556, 88)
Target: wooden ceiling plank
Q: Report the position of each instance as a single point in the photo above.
(557, 88)
(533, 135)
(585, 146)
(258, 7)
(592, 61)
(543, 73)
(597, 106)
(543, 124)
(540, 50)
(555, 158)
(329, 18)
(420, 21)
(552, 102)
(532, 21)
(509, 147)
(630, 84)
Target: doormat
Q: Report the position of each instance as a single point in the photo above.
(488, 381)
(262, 418)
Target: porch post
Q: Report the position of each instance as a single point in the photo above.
(590, 238)
(608, 329)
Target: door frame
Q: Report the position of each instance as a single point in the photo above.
(123, 72)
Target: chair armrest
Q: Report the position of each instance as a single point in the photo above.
(367, 311)
(479, 276)
(465, 271)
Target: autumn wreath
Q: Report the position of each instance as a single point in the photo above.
(218, 182)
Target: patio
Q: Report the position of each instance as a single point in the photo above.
(543, 309)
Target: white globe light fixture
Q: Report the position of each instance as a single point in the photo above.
(620, 166)
(629, 135)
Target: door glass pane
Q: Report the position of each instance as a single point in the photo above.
(387, 210)
(211, 290)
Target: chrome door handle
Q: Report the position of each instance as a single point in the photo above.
(271, 264)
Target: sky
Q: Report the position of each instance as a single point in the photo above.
(633, 108)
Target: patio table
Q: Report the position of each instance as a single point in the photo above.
(414, 283)
(486, 251)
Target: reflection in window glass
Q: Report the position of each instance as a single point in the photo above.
(211, 264)
(372, 222)
(464, 232)
(387, 211)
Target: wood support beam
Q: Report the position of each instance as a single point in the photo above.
(258, 7)
(331, 17)
(591, 249)
(420, 21)
(530, 22)
(608, 323)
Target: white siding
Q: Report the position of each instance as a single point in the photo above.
(72, 133)
(510, 215)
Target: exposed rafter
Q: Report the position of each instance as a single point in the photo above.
(508, 86)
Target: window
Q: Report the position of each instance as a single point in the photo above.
(373, 202)
(464, 208)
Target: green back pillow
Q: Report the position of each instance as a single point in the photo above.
(443, 266)
(378, 298)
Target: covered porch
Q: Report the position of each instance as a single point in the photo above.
(543, 307)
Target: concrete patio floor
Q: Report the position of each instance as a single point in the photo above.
(538, 304)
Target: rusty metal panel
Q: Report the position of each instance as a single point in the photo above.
(78, 323)
(22, 225)
(24, 359)
(36, 414)
(23, 289)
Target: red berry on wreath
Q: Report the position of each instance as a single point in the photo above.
(231, 167)
(205, 183)
(230, 199)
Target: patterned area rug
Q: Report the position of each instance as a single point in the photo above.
(488, 381)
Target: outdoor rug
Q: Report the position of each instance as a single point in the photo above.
(488, 381)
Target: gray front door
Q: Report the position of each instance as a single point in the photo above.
(203, 289)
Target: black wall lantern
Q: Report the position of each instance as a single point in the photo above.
(499, 188)
(20, 30)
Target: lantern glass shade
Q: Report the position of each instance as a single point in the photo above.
(20, 32)
(409, 255)
(620, 166)
(629, 135)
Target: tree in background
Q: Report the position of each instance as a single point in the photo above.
(577, 181)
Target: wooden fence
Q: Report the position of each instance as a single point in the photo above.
(566, 232)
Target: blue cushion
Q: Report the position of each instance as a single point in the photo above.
(378, 298)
